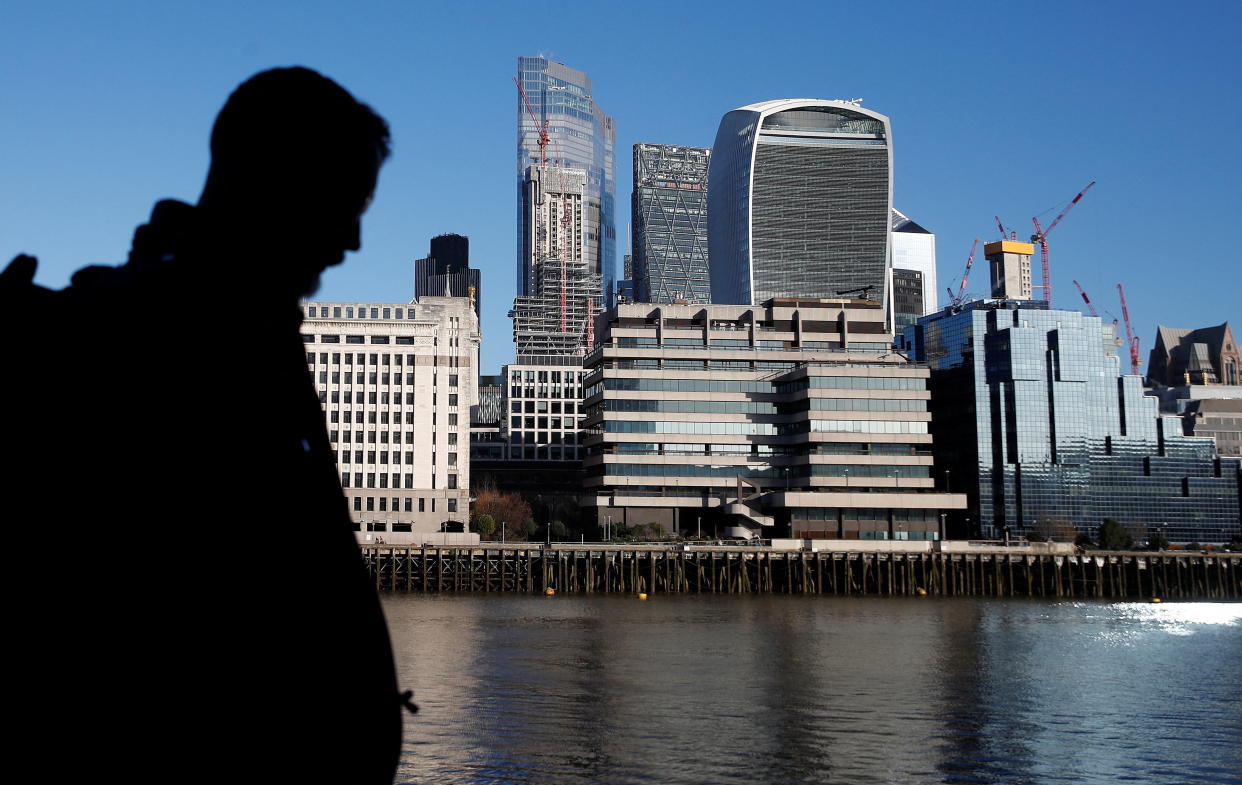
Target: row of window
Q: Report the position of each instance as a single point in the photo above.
(756, 471)
(402, 340)
(703, 448)
(760, 407)
(360, 358)
(545, 423)
(383, 505)
(372, 397)
(375, 377)
(736, 386)
(372, 478)
(542, 407)
(371, 457)
(347, 416)
(348, 311)
(370, 437)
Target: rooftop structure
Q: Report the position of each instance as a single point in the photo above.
(914, 271)
(1208, 355)
(446, 272)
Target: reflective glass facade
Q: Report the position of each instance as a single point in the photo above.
(669, 209)
(799, 197)
(1033, 421)
(582, 137)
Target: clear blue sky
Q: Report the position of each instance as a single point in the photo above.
(997, 109)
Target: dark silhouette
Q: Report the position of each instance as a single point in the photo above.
(186, 597)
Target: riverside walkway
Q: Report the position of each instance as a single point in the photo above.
(746, 569)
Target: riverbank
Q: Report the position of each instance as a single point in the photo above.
(675, 569)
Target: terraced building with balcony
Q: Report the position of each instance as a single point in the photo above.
(791, 418)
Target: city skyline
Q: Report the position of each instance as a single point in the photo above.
(105, 125)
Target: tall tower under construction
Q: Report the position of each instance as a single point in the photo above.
(557, 100)
(555, 315)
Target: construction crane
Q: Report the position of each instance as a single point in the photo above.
(1006, 234)
(1131, 339)
(1040, 238)
(955, 301)
(566, 217)
(541, 127)
(1086, 299)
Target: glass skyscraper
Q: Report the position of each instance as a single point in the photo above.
(669, 209)
(1032, 420)
(581, 137)
(799, 202)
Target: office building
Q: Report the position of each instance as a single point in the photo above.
(1033, 422)
(914, 271)
(793, 418)
(1208, 355)
(580, 136)
(669, 206)
(397, 382)
(800, 202)
(446, 272)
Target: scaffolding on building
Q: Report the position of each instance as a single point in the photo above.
(556, 319)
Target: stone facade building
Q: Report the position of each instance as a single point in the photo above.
(396, 382)
(792, 418)
(1208, 355)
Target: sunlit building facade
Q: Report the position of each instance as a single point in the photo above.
(1033, 421)
(581, 137)
(793, 418)
(397, 382)
(799, 202)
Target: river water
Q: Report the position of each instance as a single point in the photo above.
(701, 689)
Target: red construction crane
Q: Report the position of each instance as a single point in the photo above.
(1086, 299)
(1131, 339)
(1006, 234)
(542, 127)
(1041, 239)
(566, 218)
(961, 291)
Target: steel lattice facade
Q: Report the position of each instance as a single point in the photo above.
(669, 208)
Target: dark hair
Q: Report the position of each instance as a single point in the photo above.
(289, 119)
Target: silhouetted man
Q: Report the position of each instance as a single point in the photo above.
(187, 596)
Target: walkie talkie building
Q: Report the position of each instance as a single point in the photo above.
(799, 201)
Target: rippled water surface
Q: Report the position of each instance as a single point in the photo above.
(703, 689)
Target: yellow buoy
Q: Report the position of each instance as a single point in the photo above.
(922, 592)
(548, 592)
(1156, 599)
(642, 595)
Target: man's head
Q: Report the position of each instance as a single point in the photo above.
(294, 160)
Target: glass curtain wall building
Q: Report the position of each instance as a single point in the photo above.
(580, 136)
(914, 271)
(669, 207)
(799, 202)
(1032, 420)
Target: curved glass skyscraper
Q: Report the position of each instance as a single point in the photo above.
(582, 137)
(799, 199)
